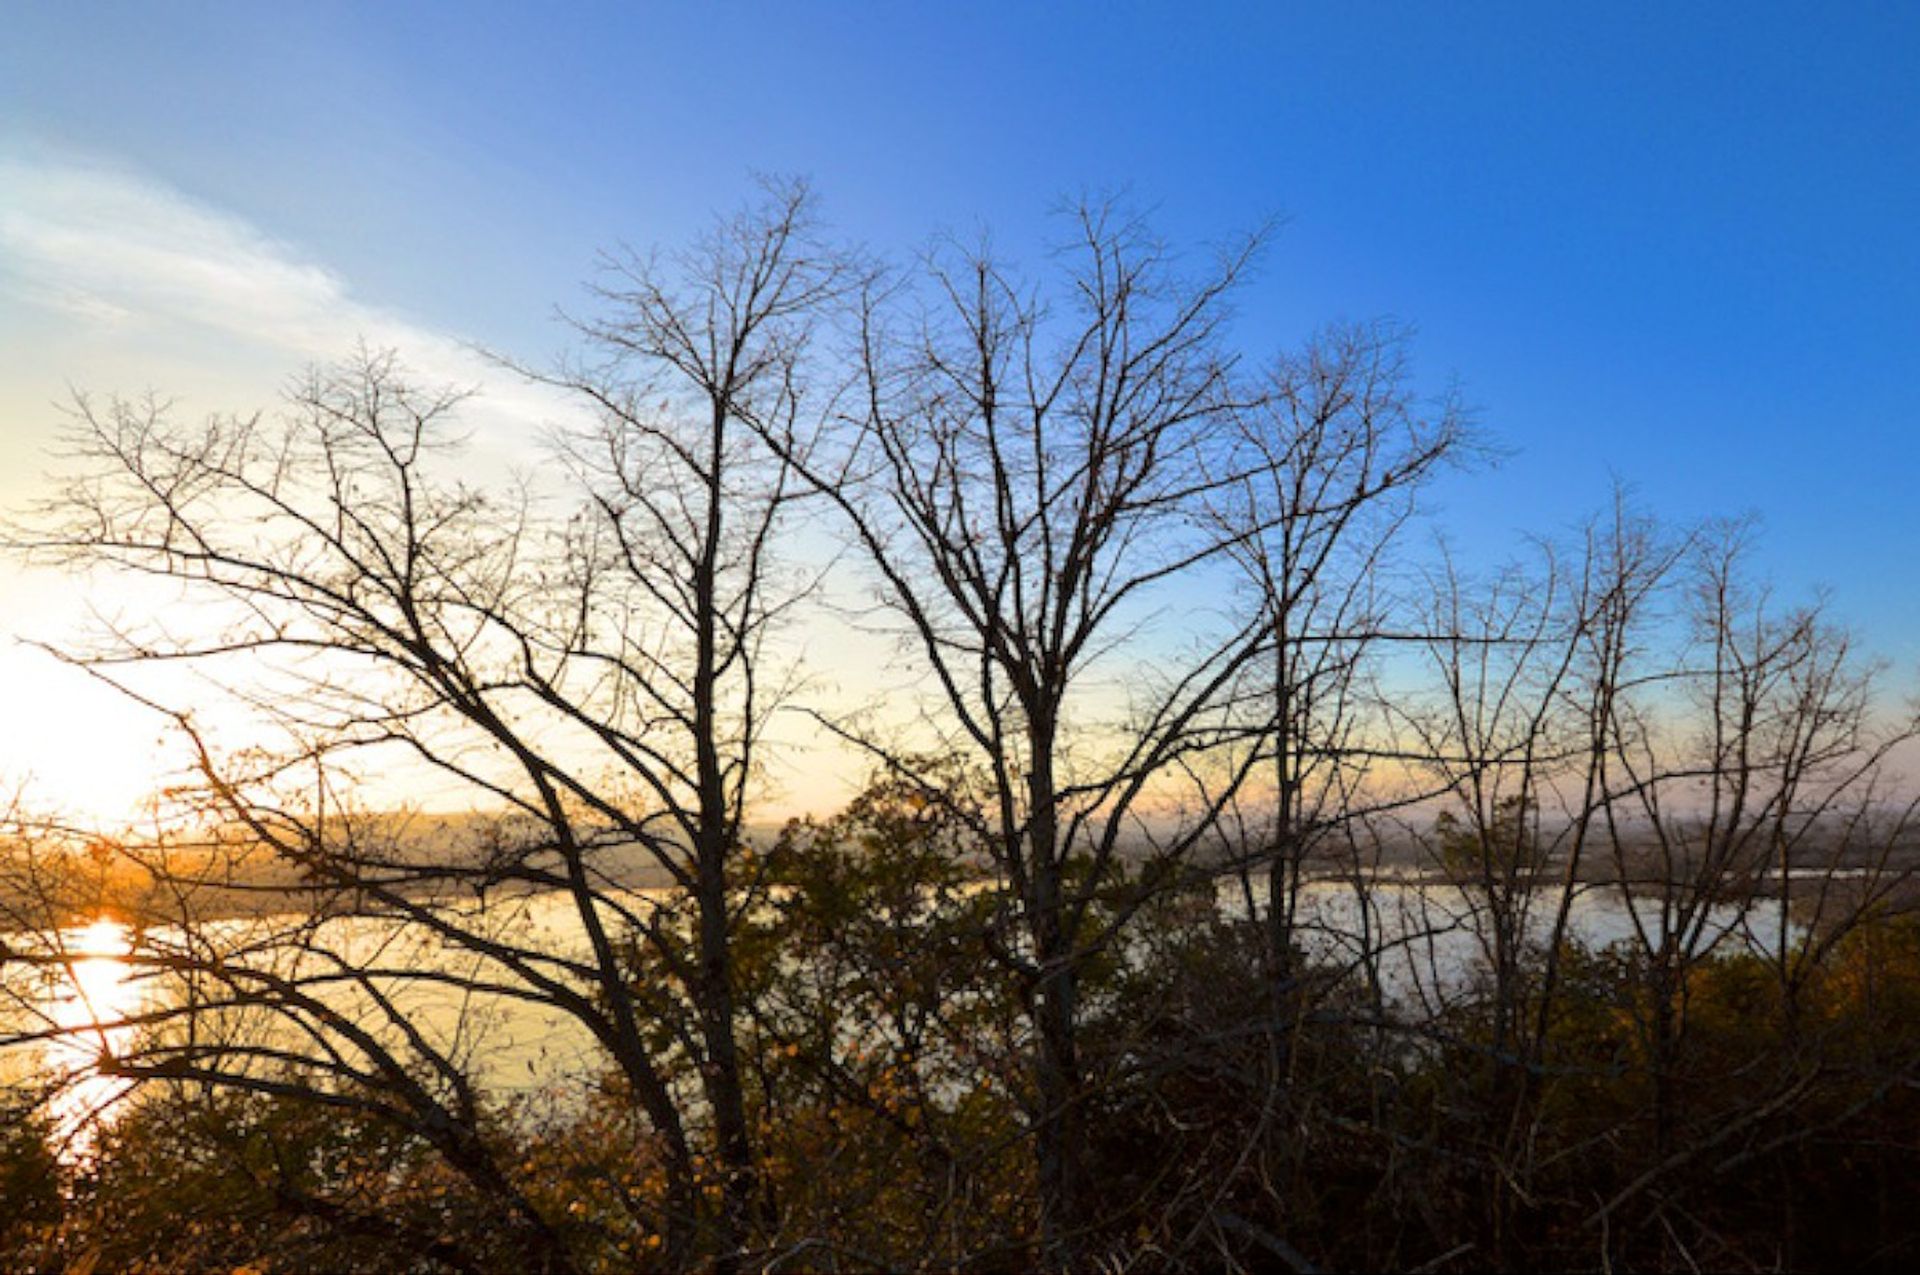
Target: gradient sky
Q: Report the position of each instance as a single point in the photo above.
(1676, 244)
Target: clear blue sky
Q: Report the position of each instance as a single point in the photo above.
(1675, 243)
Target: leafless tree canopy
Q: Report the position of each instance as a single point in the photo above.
(1225, 893)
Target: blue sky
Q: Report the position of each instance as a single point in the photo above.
(1675, 244)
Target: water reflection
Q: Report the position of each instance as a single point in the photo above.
(91, 1004)
(1420, 942)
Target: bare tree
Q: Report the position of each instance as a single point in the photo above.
(1334, 451)
(677, 583)
(1527, 666)
(1638, 718)
(602, 680)
(1751, 759)
(1029, 477)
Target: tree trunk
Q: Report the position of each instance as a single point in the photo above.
(1059, 1133)
(714, 844)
(722, 1077)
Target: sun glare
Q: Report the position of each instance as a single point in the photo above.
(91, 1009)
(105, 937)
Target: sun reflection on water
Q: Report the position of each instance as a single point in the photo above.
(96, 997)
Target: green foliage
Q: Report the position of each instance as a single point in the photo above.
(183, 1180)
(891, 1078)
(1503, 846)
(30, 1196)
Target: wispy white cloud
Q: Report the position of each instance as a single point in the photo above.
(118, 254)
(123, 282)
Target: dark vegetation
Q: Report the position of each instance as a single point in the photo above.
(1221, 899)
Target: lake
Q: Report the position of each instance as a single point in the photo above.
(65, 1015)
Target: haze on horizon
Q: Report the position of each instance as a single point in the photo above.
(1676, 249)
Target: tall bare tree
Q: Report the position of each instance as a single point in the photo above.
(603, 679)
(1333, 452)
(1750, 759)
(1028, 476)
(675, 573)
